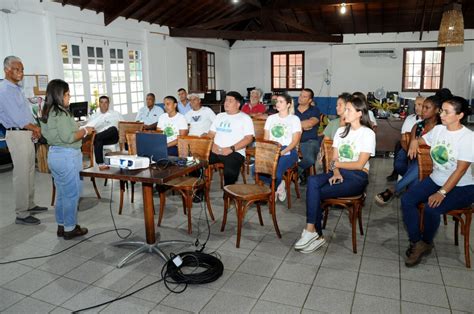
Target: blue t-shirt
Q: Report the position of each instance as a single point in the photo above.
(311, 112)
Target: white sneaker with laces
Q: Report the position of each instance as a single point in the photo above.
(281, 191)
(314, 245)
(306, 239)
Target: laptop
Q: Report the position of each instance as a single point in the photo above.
(153, 146)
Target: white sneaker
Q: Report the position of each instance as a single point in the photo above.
(281, 191)
(306, 239)
(314, 245)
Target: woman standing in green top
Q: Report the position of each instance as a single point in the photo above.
(64, 157)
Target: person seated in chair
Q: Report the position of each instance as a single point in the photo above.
(150, 113)
(254, 107)
(231, 131)
(353, 145)
(199, 118)
(105, 122)
(172, 123)
(450, 186)
(183, 105)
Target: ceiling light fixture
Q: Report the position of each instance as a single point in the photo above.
(451, 29)
(343, 8)
(235, 1)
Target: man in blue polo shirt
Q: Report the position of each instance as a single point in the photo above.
(17, 118)
(309, 143)
(150, 113)
(183, 103)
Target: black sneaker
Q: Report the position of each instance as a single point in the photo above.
(60, 232)
(384, 198)
(303, 179)
(392, 177)
(37, 210)
(76, 232)
(30, 220)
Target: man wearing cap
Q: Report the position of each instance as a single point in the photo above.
(150, 113)
(183, 104)
(16, 117)
(231, 131)
(199, 118)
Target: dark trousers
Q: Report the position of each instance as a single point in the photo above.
(106, 137)
(459, 197)
(354, 183)
(400, 162)
(232, 164)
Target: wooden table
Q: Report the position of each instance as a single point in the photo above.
(388, 133)
(148, 177)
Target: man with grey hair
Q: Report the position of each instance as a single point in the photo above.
(17, 118)
(254, 107)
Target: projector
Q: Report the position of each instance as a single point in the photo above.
(131, 162)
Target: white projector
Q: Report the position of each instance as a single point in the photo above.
(131, 162)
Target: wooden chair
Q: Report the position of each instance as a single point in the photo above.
(353, 204)
(405, 139)
(259, 129)
(461, 216)
(87, 150)
(219, 167)
(244, 195)
(291, 175)
(200, 148)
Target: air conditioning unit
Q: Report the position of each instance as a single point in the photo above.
(378, 52)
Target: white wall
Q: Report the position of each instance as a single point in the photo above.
(250, 63)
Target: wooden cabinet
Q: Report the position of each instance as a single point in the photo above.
(387, 134)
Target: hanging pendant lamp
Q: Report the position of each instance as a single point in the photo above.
(451, 30)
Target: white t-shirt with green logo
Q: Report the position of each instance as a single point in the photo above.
(357, 141)
(447, 147)
(231, 129)
(171, 126)
(282, 129)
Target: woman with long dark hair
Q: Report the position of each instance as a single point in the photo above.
(64, 156)
(353, 145)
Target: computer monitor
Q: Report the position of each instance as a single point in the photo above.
(79, 109)
(153, 146)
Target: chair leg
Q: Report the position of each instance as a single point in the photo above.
(208, 201)
(122, 191)
(247, 164)
(456, 231)
(259, 212)
(359, 215)
(275, 223)
(95, 188)
(133, 192)
(162, 207)
(242, 171)
(221, 174)
(53, 193)
(105, 182)
(467, 227)
(353, 219)
(287, 179)
(325, 218)
(226, 207)
(188, 200)
(445, 220)
(240, 218)
(297, 185)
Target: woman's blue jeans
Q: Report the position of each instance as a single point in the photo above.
(459, 197)
(410, 177)
(354, 183)
(65, 165)
(284, 163)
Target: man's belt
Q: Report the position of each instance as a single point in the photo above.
(16, 129)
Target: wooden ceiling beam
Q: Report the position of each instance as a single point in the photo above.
(423, 20)
(398, 15)
(255, 3)
(367, 15)
(149, 10)
(416, 15)
(184, 18)
(383, 16)
(171, 13)
(277, 17)
(431, 15)
(134, 8)
(85, 4)
(242, 35)
(226, 21)
(115, 9)
(353, 20)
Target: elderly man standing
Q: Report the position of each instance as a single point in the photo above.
(232, 131)
(150, 113)
(16, 117)
(255, 107)
(199, 118)
(183, 104)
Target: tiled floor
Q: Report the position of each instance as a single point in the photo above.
(264, 275)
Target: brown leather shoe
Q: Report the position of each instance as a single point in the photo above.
(420, 249)
(60, 232)
(77, 232)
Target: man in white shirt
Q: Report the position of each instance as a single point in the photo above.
(150, 113)
(231, 131)
(183, 104)
(105, 121)
(199, 118)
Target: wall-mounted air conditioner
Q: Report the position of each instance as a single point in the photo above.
(378, 52)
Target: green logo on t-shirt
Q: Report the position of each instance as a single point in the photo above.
(440, 154)
(168, 131)
(278, 131)
(345, 151)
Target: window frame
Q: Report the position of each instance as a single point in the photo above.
(287, 54)
(422, 77)
(203, 67)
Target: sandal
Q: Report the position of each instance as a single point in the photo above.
(384, 198)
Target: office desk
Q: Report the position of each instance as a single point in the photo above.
(148, 177)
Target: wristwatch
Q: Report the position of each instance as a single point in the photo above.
(232, 148)
(442, 192)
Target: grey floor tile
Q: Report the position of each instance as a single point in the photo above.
(8, 298)
(246, 284)
(217, 285)
(224, 302)
(231, 260)
(342, 261)
(160, 308)
(30, 305)
(329, 300)
(336, 279)
(381, 286)
(30, 282)
(263, 306)
(461, 299)
(62, 263)
(425, 293)
(89, 297)
(296, 272)
(379, 266)
(155, 292)
(129, 305)
(458, 277)
(259, 266)
(119, 279)
(60, 310)
(193, 299)
(409, 308)
(9, 272)
(368, 303)
(286, 292)
(89, 271)
(313, 259)
(59, 291)
(271, 250)
(423, 273)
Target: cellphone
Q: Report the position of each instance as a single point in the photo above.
(338, 181)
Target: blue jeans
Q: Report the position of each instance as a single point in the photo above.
(65, 165)
(284, 163)
(309, 152)
(354, 183)
(410, 177)
(400, 162)
(460, 196)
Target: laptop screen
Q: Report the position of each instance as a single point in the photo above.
(152, 145)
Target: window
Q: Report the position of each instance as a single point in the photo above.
(423, 69)
(96, 67)
(201, 70)
(117, 74)
(136, 78)
(73, 71)
(287, 70)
